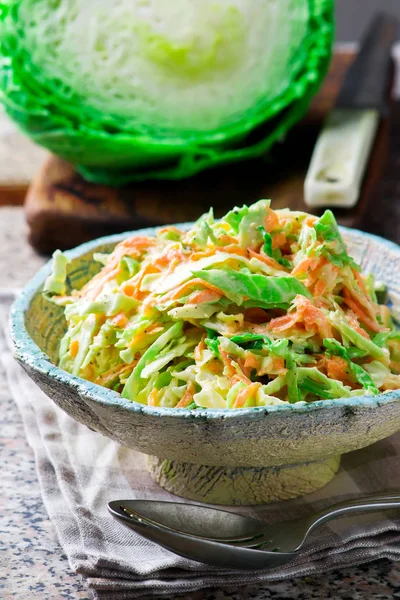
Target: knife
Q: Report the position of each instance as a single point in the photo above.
(343, 147)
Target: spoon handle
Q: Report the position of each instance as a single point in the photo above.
(347, 507)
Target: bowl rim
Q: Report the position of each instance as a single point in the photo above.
(27, 352)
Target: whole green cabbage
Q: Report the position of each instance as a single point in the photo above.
(136, 89)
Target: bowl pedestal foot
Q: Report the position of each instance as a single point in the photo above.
(241, 485)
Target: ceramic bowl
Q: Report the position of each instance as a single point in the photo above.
(244, 456)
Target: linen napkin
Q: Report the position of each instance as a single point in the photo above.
(80, 471)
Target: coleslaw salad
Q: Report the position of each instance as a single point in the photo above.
(259, 308)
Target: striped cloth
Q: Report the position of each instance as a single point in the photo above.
(80, 471)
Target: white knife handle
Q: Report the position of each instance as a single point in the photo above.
(340, 158)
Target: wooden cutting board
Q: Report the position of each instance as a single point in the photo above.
(63, 210)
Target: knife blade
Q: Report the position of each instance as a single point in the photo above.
(341, 153)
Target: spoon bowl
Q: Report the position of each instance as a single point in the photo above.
(223, 538)
(203, 550)
(201, 521)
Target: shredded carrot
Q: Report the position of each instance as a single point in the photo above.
(267, 260)
(131, 247)
(271, 221)
(277, 365)
(360, 281)
(128, 289)
(236, 378)
(306, 312)
(244, 394)
(246, 371)
(154, 328)
(120, 320)
(306, 265)
(134, 246)
(324, 278)
(137, 339)
(147, 270)
(227, 239)
(74, 348)
(279, 240)
(251, 361)
(132, 286)
(93, 288)
(395, 366)
(185, 287)
(368, 307)
(315, 274)
(282, 323)
(111, 373)
(240, 377)
(274, 365)
(215, 366)
(187, 396)
(170, 258)
(228, 364)
(232, 373)
(203, 254)
(202, 296)
(310, 220)
(320, 288)
(172, 229)
(87, 373)
(148, 304)
(199, 349)
(139, 295)
(153, 397)
(234, 249)
(353, 322)
(337, 369)
(390, 385)
(362, 316)
(143, 335)
(313, 316)
(359, 312)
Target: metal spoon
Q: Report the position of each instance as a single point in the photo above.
(221, 538)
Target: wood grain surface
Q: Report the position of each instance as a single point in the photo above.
(63, 210)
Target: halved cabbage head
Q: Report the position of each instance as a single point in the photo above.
(140, 88)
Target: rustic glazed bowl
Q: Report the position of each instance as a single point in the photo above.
(244, 456)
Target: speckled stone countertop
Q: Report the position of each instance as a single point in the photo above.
(32, 564)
